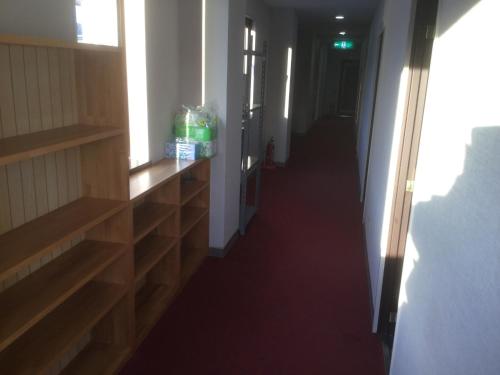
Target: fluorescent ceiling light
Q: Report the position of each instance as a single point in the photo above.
(339, 17)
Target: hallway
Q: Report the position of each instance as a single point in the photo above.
(292, 295)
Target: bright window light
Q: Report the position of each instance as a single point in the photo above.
(252, 77)
(135, 31)
(288, 79)
(97, 22)
(245, 47)
(203, 50)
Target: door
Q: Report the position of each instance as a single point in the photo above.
(423, 39)
(348, 89)
(370, 133)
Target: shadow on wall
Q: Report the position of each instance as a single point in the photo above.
(460, 9)
(451, 288)
(389, 118)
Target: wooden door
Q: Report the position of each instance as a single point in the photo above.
(423, 39)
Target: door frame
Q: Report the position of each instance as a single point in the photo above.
(422, 45)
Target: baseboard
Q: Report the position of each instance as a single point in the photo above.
(221, 253)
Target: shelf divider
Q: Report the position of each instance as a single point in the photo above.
(190, 188)
(148, 216)
(190, 217)
(149, 252)
(151, 301)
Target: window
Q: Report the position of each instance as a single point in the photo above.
(245, 47)
(249, 44)
(288, 79)
(135, 34)
(252, 73)
(97, 22)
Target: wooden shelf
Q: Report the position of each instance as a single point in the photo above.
(191, 260)
(53, 43)
(148, 216)
(151, 301)
(149, 252)
(41, 348)
(31, 145)
(33, 298)
(190, 188)
(190, 217)
(146, 180)
(28, 243)
(97, 358)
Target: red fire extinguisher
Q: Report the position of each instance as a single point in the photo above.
(269, 162)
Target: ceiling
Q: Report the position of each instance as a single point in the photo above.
(357, 13)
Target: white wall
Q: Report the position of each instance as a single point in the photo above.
(48, 18)
(397, 19)
(190, 32)
(225, 22)
(450, 296)
(162, 46)
(283, 34)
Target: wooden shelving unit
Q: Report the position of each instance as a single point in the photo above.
(66, 254)
(90, 257)
(175, 195)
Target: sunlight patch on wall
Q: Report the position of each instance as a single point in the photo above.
(462, 96)
(471, 98)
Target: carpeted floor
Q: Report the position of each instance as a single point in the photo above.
(291, 298)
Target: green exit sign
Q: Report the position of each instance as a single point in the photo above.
(343, 44)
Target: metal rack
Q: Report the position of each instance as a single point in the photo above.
(252, 150)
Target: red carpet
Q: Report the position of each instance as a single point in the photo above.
(291, 298)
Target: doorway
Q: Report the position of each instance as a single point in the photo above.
(422, 44)
(348, 88)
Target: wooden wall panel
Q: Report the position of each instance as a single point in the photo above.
(37, 92)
